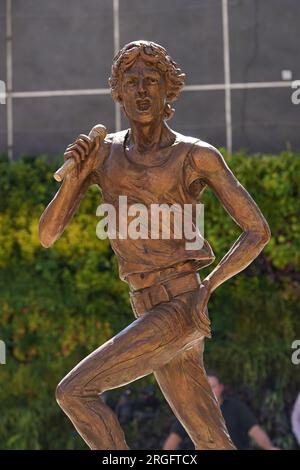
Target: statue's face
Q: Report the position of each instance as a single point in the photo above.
(143, 92)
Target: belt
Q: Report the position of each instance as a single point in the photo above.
(138, 281)
(145, 299)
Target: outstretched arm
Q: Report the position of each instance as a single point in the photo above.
(213, 170)
(261, 438)
(172, 442)
(61, 209)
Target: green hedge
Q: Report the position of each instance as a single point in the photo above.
(58, 305)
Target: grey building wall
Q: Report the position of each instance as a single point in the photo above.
(3, 136)
(62, 52)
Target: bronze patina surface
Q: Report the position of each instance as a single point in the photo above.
(151, 163)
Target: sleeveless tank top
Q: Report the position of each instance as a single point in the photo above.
(163, 180)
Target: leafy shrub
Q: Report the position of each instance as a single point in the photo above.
(57, 305)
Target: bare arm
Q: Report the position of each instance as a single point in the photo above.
(61, 209)
(213, 170)
(261, 438)
(172, 442)
(243, 210)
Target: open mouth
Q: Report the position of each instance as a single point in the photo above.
(143, 105)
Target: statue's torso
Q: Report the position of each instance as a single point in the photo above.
(160, 178)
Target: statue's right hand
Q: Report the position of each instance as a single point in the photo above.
(83, 151)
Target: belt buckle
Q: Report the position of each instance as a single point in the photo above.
(162, 295)
(149, 298)
(141, 301)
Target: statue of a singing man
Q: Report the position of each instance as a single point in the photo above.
(150, 163)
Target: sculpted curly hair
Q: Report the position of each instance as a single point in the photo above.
(153, 54)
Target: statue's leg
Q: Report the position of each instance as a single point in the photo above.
(184, 384)
(145, 345)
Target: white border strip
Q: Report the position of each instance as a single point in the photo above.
(49, 93)
(9, 80)
(116, 26)
(106, 91)
(116, 12)
(209, 87)
(241, 86)
(238, 86)
(226, 56)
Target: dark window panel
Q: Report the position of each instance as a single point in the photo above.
(265, 120)
(264, 39)
(62, 45)
(2, 40)
(48, 125)
(190, 30)
(3, 137)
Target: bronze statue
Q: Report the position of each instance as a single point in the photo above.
(150, 163)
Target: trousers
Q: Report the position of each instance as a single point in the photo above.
(163, 341)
